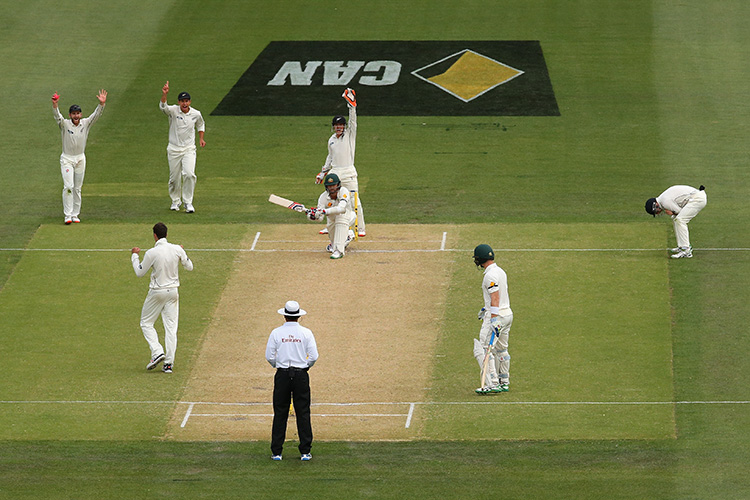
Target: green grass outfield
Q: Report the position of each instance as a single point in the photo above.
(651, 93)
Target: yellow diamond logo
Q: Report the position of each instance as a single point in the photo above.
(467, 75)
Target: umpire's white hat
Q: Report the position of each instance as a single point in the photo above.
(292, 308)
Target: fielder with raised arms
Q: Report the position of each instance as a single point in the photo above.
(495, 315)
(75, 133)
(336, 204)
(181, 153)
(340, 159)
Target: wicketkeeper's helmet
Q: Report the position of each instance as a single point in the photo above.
(483, 253)
(338, 120)
(331, 180)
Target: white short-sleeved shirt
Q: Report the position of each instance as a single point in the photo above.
(74, 137)
(495, 280)
(182, 126)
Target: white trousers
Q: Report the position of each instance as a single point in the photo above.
(73, 169)
(181, 175)
(348, 177)
(338, 230)
(164, 302)
(499, 366)
(681, 220)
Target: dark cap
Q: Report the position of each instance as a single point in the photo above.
(651, 206)
(74, 107)
(338, 120)
(184, 96)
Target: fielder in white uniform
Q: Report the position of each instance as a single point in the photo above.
(340, 159)
(74, 133)
(495, 315)
(336, 204)
(682, 203)
(181, 151)
(163, 298)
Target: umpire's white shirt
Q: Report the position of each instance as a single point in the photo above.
(291, 346)
(495, 280)
(74, 136)
(182, 126)
(164, 258)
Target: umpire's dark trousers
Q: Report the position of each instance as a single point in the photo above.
(288, 384)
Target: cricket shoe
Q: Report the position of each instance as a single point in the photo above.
(155, 361)
(167, 368)
(483, 390)
(323, 231)
(337, 255)
(684, 253)
(500, 388)
(349, 238)
(329, 248)
(68, 220)
(75, 220)
(306, 457)
(276, 458)
(189, 208)
(175, 206)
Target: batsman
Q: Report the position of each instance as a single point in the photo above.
(491, 350)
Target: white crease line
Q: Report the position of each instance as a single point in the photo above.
(187, 415)
(408, 418)
(392, 403)
(255, 241)
(291, 415)
(408, 250)
(442, 243)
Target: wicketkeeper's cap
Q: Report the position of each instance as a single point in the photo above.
(292, 308)
(338, 120)
(74, 107)
(651, 206)
(184, 96)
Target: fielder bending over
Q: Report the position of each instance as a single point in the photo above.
(682, 203)
(336, 204)
(75, 132)
(495, 315)
(340, 159)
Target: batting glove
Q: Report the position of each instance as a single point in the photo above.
(480, 315)
(319, 178)
(495, 324)
(350, 97)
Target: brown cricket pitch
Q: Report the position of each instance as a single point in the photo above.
(376, 317)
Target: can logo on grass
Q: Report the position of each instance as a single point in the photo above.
(396, 78)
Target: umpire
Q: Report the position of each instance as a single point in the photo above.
(292, 351)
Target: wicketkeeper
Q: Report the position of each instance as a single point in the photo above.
(340, 159)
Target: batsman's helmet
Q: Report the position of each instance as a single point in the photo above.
(483, 253)
(74, 107)
(651, 206)
(331, 180)
(338, 120)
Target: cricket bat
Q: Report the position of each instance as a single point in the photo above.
(283, 202)
(486, 362)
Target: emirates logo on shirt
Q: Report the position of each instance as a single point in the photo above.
(290, 339)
